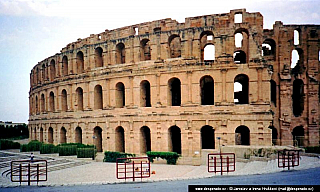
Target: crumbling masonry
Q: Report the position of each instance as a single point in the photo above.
(169, 86)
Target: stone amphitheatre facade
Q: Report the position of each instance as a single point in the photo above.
(169, 86)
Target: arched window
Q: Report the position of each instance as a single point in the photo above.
(207, 46)
(41, 134)
(120, 53)
(207, 90)
(98, 99)
(50, 135)
(175, 139)
(207, 137)
(273, 95)
(80, 62)
(242, 135)
(175, 46)
(52, 70)
(145, 96)
(145, 139)
(64, 100)
(42, 103)
(145, 50)
(79, 93)
(65, 70)
(37, 105)
(174, 92)
(51, 101)
(241, 89)
(63, 135)
(269, 49)
(298, 136)
(120, 139)
(120, 95)
(78, 135)
(298, 97)
(98, 57)
(98, 138)
(239, 57)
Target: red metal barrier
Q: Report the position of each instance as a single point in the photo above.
(288, 158)
(132, 168)
(29, 171)
(221, 162)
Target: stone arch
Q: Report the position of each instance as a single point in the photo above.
(120, 139)
(209, 52)
(174, 46)
(206, 45)
(63, 135)
(207, 90)
(241, 37)
(98, 98)
(37, 105)
(241, 89)
(64, 100)
(269, 48)
(145, 94)
(175, 139)
(43, 73)
(41, 135)
(120, 95)
(97, 135)
(65, 69)
(50, 135)
(298, 136)
(120, 53)
(174, 92)
(42, 103)
(207, 137)
(242, 135)
(78, 135)
(98, 57)
(52, 70)
(80, 62)
(145, 141)
(239, 57)
(79, 95)
(145, 50)
(51, 101)
(298, 97)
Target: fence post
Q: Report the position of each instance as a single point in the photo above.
(37, 174)
(20, 173)
(133, 171)
(29, 174)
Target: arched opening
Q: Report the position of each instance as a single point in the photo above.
(120, 53)
(296, 37)
(51, 102)
(42, 103)
(207, 137)
(120, 95)
(98, 57)
(98, 99)
(298, 136)
(209, 52)
(65, 70)
(63, 135)
(64, 100)
(241, 89)
(80, 62)
(238, 40)
(207, 46)
(50, 135)
(43, 73)
(174, 92)
(175, 46)
(239, 57)
(41, 135)
(242, 135)
(207, 90)
(145, 50)
(145, 97)
(79, 93)
(78, 135)
(273, 94)
(37, 105)
(274, 135)
(52, 70)
(120, 139)
(298, 97)
(269, 48)
(145, 139)
(97, 138)
(175, 139)
(294, 58)
(35, 134)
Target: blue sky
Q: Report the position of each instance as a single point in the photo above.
(32, 30)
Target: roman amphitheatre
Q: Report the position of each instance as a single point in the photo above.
(169, 86)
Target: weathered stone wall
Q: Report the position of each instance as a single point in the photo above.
(150, 86)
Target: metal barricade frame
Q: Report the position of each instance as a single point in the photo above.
(29, 171)
(221, 162)
(132, 168)
(288, 158)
